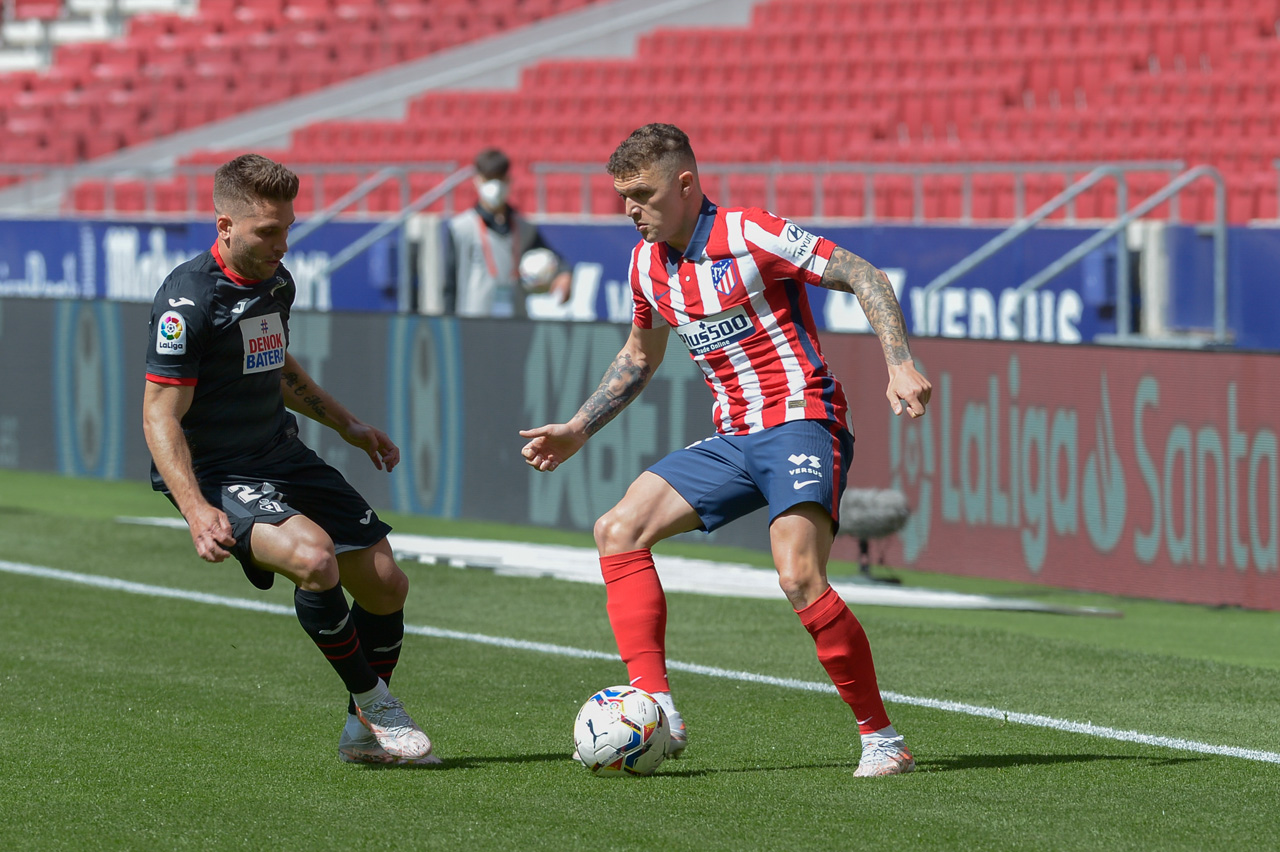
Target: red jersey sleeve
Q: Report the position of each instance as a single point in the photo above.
(782, 249)
(642, 314)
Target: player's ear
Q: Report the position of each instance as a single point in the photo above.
(224, 226)
(686, 183)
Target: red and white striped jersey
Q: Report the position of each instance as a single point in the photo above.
(737, 299)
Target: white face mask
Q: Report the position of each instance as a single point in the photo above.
(493, 193)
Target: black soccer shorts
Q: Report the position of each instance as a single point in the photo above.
(291, 480)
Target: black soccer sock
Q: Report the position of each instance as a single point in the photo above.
(380, 637)
(328, 621)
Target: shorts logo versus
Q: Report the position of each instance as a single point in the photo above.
(805, 465)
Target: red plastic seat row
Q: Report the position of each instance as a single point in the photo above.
(44, 10)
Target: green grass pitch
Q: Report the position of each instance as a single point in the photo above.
(136, 722)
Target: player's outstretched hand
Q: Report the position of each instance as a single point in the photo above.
(562, 287)
(382, 451)
(908, 390)
(211, 533)
(550, 445)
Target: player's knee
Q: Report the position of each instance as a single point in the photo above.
(314, 566)
(395, 589)
(801, 586)
(616, 532)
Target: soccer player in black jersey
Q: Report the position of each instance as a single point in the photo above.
(226, 452)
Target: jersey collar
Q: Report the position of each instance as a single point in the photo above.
(235, 279)
(491, 221)
(701, 233)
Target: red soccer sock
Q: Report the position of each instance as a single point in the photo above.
(845, 653)
(638, 614)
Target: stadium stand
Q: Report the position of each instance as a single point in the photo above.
(824, 83)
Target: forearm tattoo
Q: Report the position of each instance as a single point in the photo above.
(305, 396)
(622, 383)
(851, 274)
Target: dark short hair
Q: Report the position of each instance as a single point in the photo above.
(249, 180)
(652, 146)
(493, 164)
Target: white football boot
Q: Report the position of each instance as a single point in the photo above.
(357, 744)
(884, 756)
(679, 739)
(395, 731)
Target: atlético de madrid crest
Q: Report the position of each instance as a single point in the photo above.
(725, 276)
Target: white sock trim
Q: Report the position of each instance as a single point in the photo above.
(668, 706)
(378, 693)
(885, 733)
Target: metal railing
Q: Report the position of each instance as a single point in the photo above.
(1114, 229)
(404, 272)
(315, 178)
(716, 181)
(1219, 227)
(967, 264)
(357, 193)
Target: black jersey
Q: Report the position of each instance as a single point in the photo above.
(227, 337)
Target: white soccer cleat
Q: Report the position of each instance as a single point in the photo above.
(679, 734)
(358, 745)
(679, 738)
(885, 757)
(394, 730)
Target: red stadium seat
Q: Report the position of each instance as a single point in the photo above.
(808, 81)
(44, 10)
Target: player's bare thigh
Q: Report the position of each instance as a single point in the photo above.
(650, 511)
(801, 539)
(296, 548)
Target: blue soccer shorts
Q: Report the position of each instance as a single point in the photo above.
(727, 476)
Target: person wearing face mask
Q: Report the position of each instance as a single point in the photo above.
(483, 247)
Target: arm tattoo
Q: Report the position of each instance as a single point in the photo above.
(622, 383)
(851, 274)
(312, 401)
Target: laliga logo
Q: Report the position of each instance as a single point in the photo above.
(1010, 466)
(171, 328)
(1104, 491)
(911, 459)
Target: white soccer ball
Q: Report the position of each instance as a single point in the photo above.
(537, 269)
(621, 731)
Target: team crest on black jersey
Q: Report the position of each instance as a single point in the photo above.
(725, 276)
(263, 343)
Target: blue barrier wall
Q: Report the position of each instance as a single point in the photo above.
(1073, 308)
(126, 261)
(1253, 300)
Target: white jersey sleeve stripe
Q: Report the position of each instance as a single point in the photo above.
(782, 345)
(800, 255)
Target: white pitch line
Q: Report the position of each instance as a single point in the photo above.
(1032, 719)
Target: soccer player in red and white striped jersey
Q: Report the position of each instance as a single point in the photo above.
(731, 282)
